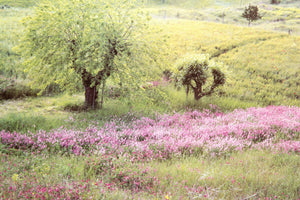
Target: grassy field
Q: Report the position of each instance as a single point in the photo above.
(241, 143)
(194, 155)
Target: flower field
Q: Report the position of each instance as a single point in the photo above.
(118, 155)
(274, 127)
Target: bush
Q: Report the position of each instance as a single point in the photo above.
(198, 73)
(10, 89)
(75, 107)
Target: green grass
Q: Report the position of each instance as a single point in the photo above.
(262, 65)
(18, 3)
(256, 174)
(263, 62)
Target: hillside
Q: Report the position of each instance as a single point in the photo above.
(263, 58)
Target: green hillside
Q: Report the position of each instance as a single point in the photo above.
(263, 59)
(264, 66)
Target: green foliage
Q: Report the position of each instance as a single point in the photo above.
(193, 72)
(10, 27)
(251, 14)
(95, 41)
(11, 89)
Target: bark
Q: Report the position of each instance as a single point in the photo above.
(90, 82)
(198, 93)
(91, 95)
(102, 95)
(91, 92)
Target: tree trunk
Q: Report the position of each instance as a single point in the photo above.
(102, 95)
(91, 95)
(197, 95)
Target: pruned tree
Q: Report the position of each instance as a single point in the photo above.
(199, 73)
(251, 14)
(87, 41)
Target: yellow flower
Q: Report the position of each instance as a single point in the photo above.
(15, 177)
(167, 197)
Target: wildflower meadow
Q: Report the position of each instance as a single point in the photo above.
(119, 156)
(149, 100)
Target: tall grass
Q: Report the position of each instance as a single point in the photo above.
(263, 66)
(23, 122)
(254, 175)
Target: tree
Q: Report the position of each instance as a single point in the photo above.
(200, 74)
(66, 41)
(251, 14)
(275, 1)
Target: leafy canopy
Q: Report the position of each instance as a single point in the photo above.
(69, 42)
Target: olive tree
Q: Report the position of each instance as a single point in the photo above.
(199, 73)
(71, 41)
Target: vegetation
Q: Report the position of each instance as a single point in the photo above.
(137, 158)
(102, 43)
(193, 72)
(150, 141)
(275, 1)
(251, 14)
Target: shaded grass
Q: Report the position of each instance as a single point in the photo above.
(32, 114)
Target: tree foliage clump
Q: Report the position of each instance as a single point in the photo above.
(275, 1)
(251, 14)
(71, 41)
(200, 74)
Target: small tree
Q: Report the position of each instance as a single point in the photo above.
(275, 1)
(251, 14)
(69, 42)
(200, 74)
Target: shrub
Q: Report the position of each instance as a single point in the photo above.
(10, 89)
(193, 72)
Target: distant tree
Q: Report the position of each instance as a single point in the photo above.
(275, 1)
(87, 41)
(251, 14)
(200, 74)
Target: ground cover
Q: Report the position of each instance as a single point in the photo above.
(122, 157)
